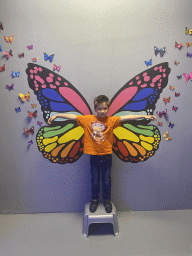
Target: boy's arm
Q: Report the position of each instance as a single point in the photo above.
(134, 117)
(68, 116)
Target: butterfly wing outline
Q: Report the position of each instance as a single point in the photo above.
(62, 142)
(135, 140)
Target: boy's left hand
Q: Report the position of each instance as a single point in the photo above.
(153, 118)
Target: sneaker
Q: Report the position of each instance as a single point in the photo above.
(108, 206)
(93, 205)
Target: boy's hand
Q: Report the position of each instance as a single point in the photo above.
(153, 118)
(50, 120)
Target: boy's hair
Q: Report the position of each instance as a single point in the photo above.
(101, 99)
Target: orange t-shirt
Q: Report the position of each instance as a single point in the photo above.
(98, 133)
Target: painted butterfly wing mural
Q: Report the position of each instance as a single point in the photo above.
(62, 142)
(135, 140)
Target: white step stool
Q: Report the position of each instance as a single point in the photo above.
(99, 216)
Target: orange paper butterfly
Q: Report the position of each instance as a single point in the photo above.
(34, 114)
(167, 99)
(188, 44)
(9, 39)
(21, 55)
(176, 63)
(33, 105)
(28, 131)
(171, 87)
(24, 97)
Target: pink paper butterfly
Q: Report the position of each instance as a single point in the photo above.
(187, 77)
(174, 108)
(30, 47)
(56, 68)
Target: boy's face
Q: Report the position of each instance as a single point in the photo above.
(102, 109)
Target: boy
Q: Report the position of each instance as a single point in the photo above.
(98, 143)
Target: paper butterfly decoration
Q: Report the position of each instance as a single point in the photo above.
(34, 114)
(28, 131)
(39, 123)
(161, 51)
(171, 125)
(15, 74)
(188, 44)
(166, 99)
(30, 47)
(189, 55)
(30, 142)
(166, 136)
(62, 142)
(18, 109)
(2, 68)
(179, 77)
(178, 45)
(148, 62)
(159, 124)
(56, 68)
(171, 88)
(163, 113)
(21, 55)
(174, 108)
(0, 48)
(187, 77)
(188, 31)
(10, 87)
(8, 54)
(176, 63)
(177, 94)
(9, 39)
(1, 25)
(34, 59)
(50, 58)
(33, 105)
(24, 97)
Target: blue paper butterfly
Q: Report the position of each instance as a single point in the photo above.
(30, 142)
(179, 77)
(18, 109)
(0, 48)
(10, 87)
(148, 62)
(15, 74)
(62, 142)
(46, 57)
(161, 51)
(171, 125)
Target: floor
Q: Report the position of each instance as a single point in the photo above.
(141, 233)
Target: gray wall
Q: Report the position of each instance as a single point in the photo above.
(100, 46)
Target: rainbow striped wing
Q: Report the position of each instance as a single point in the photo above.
(62, 142)
(135, 140)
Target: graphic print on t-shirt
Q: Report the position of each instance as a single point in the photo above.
(97, 131)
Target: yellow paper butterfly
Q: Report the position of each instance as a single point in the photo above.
(188, 44)
(9, 39)
(24, 97)
(188, 31)
(166, 136)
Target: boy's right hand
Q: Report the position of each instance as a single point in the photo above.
(50, 120)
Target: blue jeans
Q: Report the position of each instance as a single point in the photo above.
(101, 163)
